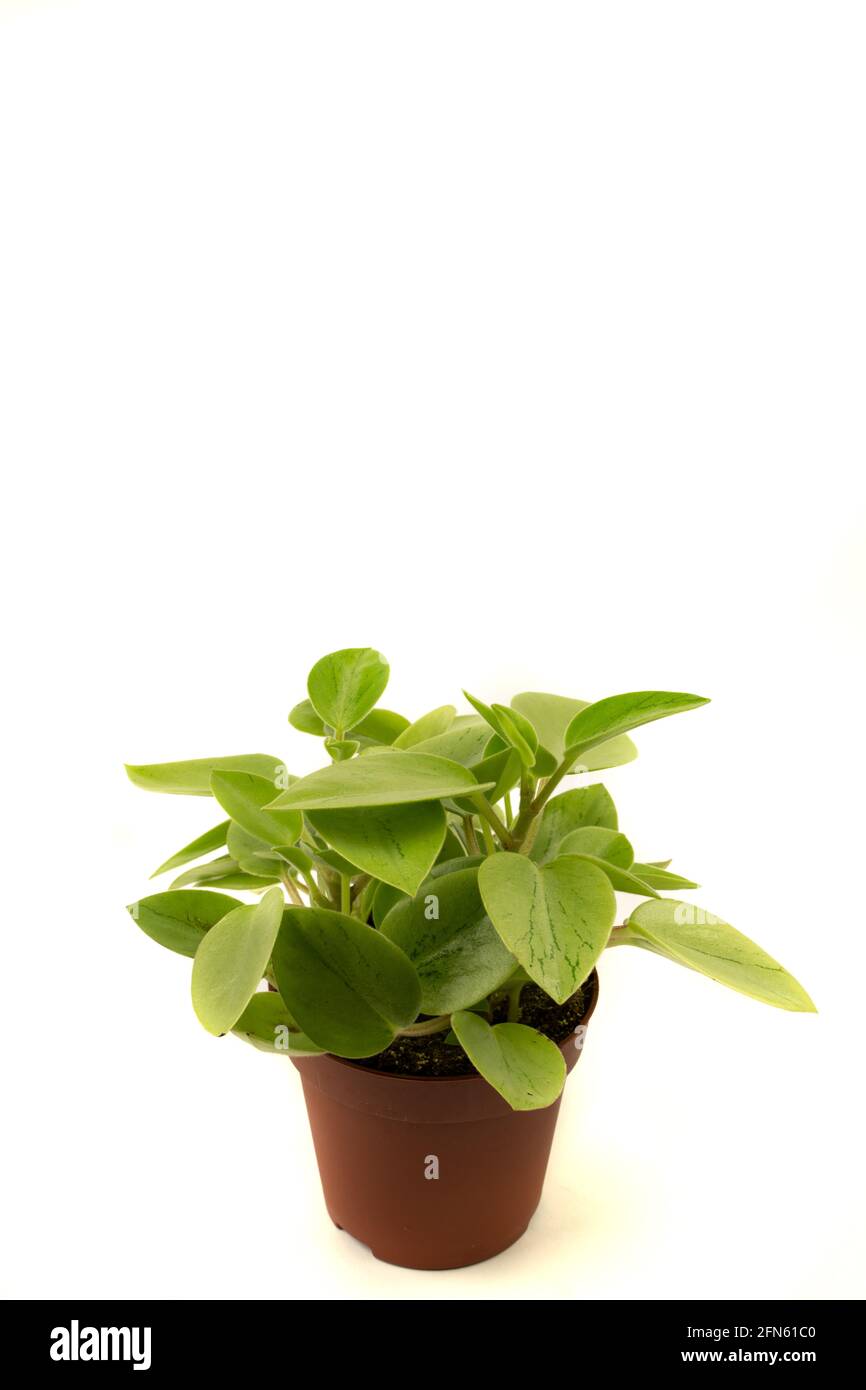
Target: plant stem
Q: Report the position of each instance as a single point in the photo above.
(553, 782)
(315, 896)
(486, 811)
(290, 886)
(509, 813)
(362, 904)
(425, 1028)
(489, 842)
(329, 881)
(471, 837)
(526, 814)
(345, 894)
(622, 936)
(514, 1002)
(359, 885)
(533, 808)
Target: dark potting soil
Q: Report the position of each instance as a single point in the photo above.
(433, 1056)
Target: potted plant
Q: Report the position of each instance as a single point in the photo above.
(427, 915)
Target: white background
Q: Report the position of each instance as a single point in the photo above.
(521, 341)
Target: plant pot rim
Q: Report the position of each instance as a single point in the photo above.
(591, 982)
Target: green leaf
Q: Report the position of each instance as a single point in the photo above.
(332, 860)
(556, 920)
(502, 769)
(345, 685)
(349, 988)
(453, 866)
(696, 938)
(619, 713)
(384, 899)
(621, 880)
(551, 715)
(304, 717)
(268, 1025)
(298, 858)
(519, 732)
(192, 778)
(231, 960)
(513, 728)
(545, 763)
(251, 853)
(658, 876)
(447, 935)
(241, 882)
(340, 750)
(525, 1067)
(601, 843)
(224, 872)
(391, 778)
(570, 811)
(179, 921)
(438, 721)
(464, 743)
(210, 840)
(245, 798)
(396, 844)
(379, 726)
(452, 847)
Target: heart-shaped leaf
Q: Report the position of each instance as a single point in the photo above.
(526, 1068)
(620, 713)
(391, 778)
(231, 961)
(450, 940)
(551, 715)
(438, 721)
(556, 920)
(205, 844)
(570, 811)
(268, 1025)
(694, 937)
(192, 778)
(601, 843)
(396, 844)
(349, 988)
(245, 797)
(179, 921)
(345, 685)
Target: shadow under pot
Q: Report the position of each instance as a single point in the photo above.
(430, 1172)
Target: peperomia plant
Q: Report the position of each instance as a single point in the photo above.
(418, 883)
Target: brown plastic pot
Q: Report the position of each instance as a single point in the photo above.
(380, 1138)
